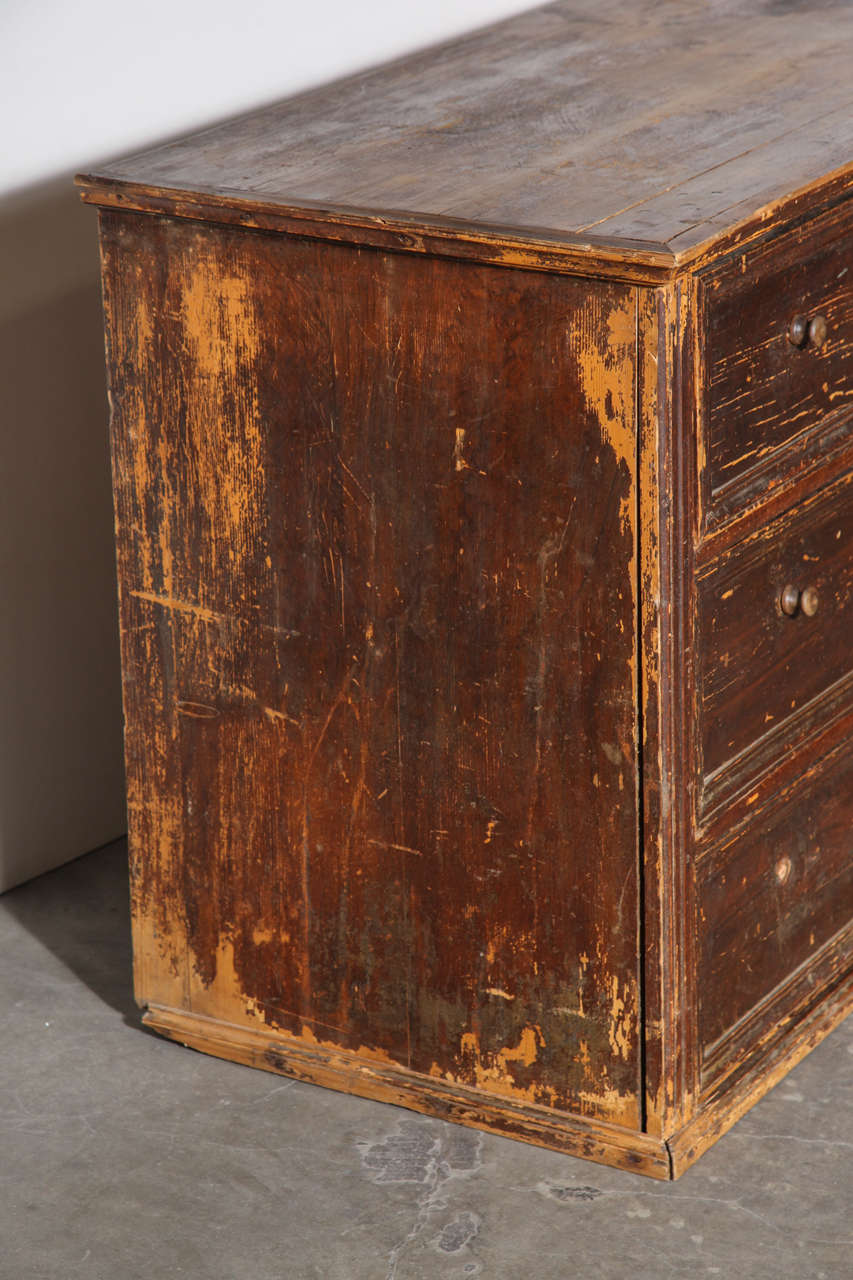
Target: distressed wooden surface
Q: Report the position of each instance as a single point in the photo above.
(532, 249)
(776, 989)
(377, 555)
(460, 460)
(773, 893)
(775, 1017)
(770, 856)
(764, 398)
(764, 1067)
(667, 500)
(758, 666)
(655, 849)
(609, 122)
(561, 1131)
(743, 785)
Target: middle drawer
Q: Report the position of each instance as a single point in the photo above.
(775, 623)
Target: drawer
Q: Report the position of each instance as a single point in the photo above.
(757, 665)
(768, 403)
(774, 895)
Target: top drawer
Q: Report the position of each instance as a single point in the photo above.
(769, 403)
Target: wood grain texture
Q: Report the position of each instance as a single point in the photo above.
(535, 249)
(776, 1017)
(641, 125)
(766, 1066)
(758, 666)
(772, 895)
(787, 750)
(561, 1131)
(655, 925)
(377, 553)
(764, 399)
(667, 600)
(460, 460)
(667, 499)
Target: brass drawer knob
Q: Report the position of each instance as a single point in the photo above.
(793, 601)
(803, 330)
(817, 331)
(809, 601)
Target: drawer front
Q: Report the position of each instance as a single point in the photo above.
(775, 895)
(758, 664)
(764, 395)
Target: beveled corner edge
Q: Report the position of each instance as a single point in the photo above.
(748, 225)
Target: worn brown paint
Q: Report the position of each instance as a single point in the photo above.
(595, 122)
(472, 763)
(382, 584)
(759, 666)
(762, 394)
(772, 895)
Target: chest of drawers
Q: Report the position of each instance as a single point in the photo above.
(482, 462)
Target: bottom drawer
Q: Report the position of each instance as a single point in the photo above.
(774, 894)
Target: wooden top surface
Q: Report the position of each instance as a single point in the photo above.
(652, 126)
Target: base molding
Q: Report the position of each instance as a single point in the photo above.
(349, 1073)
(589, 1139)
(721, 1107)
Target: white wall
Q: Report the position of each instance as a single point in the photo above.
(79, 82)
(81, 79)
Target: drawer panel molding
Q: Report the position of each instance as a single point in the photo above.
(772, 895)
(763, 394)
(758, 665)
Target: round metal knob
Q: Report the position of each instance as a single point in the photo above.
(798, 331)
(793, 601)
(803, 330)
(817, 331)
(790, 601)
(809, 601)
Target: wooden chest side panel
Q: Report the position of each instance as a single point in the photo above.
(376, 520)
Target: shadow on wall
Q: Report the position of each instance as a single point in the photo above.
(61, 773)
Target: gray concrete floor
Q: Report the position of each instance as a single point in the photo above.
(125, 1156)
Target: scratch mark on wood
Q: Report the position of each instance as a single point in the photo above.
(209, 615)
(197, 710)
(401, 848)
